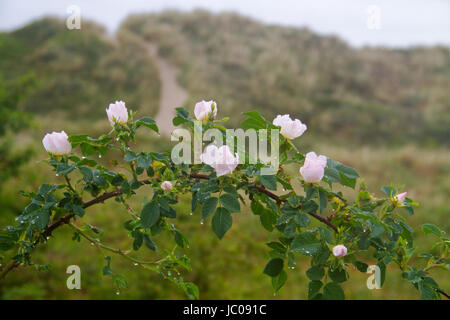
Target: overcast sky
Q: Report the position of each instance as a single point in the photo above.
(402, 22)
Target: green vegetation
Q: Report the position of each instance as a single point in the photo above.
(393, 102)
(79, 71)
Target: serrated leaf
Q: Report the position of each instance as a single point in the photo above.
(333, 291)
(150, 214)
(274, 267)
(279, 280)
(221, 222)
(147, 122)
(315, 273)
(230, 202)
(209, 206)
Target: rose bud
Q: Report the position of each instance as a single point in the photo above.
(166, 185)
(400, 198)
(220, 159)
(117, 113)
(290, 129)
(314, 167)
(339, 251)
(57, 143)
(204, 110)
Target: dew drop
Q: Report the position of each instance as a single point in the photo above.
(191, 214)
(136, 264)
(100, 156)
(83, 157)
(92, 243)
(48, 238)
(292, 268)
(118, 292)
(169, 273)
(57, 175)
(201, 222)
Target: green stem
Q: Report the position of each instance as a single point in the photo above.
(69, 184)
(113, 250)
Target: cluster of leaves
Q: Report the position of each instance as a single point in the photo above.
(366, 224)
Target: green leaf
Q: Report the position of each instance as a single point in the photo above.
(150, 214)
(42, 219)
(309, 206)
(314, 288)
(279, 280)
(87, 173)
(180, 239)
(361, 266)
(149, 243)
(209, 206)
(270, 182)
(277, 246)
(388, 190)
(230, 202)
(303, 220)
(429, 228)
(274, 267)
(315, 273)
(147, 122)
(427, 292)
(221, 222)
(347, 171)
(323, 200)
(144, 161)
(138, 239)
(254, 121)
(256, 207)
(191, 290)
(338, 275)
(268, 218)
(305, 243)
(333, 291)
(346, 181)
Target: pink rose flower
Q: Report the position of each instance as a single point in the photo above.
(220, 159)
(166, 185)
(314, 167)
(57, 143)
(339, 251)
(400, 198)
(117, 113)
(203, 110)
(290, 129)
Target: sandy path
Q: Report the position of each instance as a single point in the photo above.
(172, 94)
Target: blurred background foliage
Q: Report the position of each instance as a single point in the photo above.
(385, 112)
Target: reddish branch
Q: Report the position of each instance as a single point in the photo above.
(277, 199)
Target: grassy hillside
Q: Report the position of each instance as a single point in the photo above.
(79, 71)
(357, 104)
(370, 95)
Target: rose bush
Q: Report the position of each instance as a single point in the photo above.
(316, 222)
